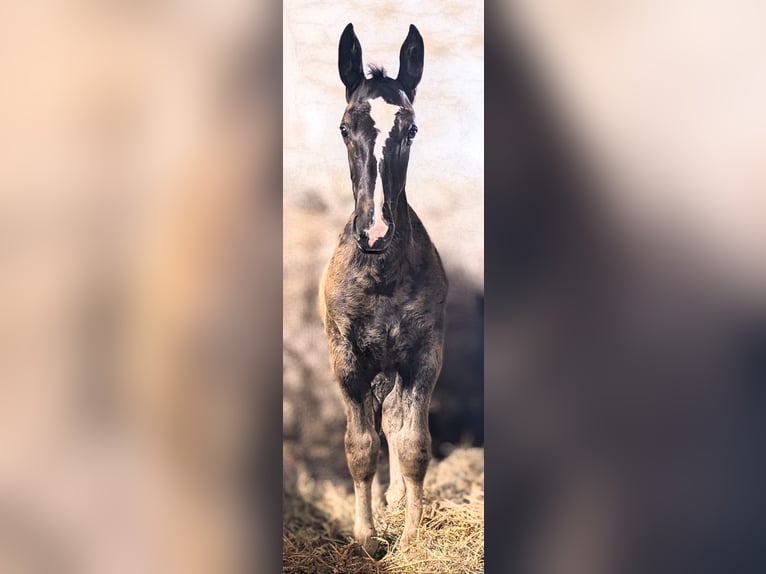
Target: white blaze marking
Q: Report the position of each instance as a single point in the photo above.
(384, 116)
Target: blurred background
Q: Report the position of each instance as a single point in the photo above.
(626, 286)
(137, 195)
(444, 184)
(140, 361)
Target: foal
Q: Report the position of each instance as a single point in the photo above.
(382, 296)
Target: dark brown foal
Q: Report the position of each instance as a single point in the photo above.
(382, 296)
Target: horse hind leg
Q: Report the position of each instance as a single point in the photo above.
(392, 425)
(381, 387)
(413, 440)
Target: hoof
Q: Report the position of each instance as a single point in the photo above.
(367, 540)
(408, 539)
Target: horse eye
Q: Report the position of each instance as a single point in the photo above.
(343, 131)
(411, 132)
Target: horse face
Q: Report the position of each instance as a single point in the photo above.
(378, 128)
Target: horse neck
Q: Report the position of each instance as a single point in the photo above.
(403, 222)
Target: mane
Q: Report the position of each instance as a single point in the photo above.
(376, 72)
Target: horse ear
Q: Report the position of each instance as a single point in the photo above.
(411, 62)
(350, 61)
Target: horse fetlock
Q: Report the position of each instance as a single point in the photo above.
(408, 538)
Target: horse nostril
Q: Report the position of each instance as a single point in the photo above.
(355, 231)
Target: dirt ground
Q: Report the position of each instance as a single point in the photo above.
(318, 517)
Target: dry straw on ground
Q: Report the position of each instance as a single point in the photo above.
(318, 518)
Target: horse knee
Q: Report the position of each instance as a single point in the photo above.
(414, 449)
(362, 449)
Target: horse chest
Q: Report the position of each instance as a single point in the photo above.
(381, 325)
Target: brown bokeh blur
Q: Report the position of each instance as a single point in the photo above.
(140, 281)
(626, 332)
(139, 203)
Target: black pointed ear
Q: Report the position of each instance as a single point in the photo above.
(350, 61)
(411, 62)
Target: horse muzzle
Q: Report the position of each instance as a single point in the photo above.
(374, 239)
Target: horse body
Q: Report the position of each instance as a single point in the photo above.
(382, 297)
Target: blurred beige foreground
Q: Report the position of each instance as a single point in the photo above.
(132, 158)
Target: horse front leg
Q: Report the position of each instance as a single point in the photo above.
(413, 439)
(362, 449)
(362, 441)
(413, 448)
